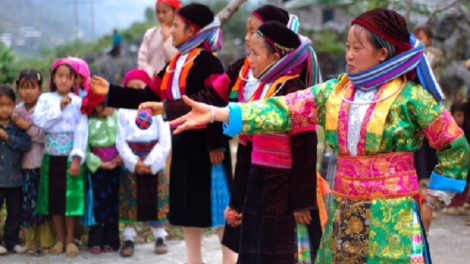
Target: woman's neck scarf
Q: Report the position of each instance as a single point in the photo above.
(293, 63)
(209, 38)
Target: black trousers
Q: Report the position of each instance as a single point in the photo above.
(104, 235)
(13, 197)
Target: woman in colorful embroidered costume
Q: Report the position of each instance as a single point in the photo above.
(197, 35)
(144, 183)
(61, 185)
(103, 165)
(375, 117)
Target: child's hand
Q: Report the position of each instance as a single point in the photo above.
(139, 167)
(303, 217)
(110, 165)
(216, 156)
(20, 122)
(74, 169)
(233, 218)
(99, 85)
(156, 107)
(165, 31)
(66, 100)
(3, 134)
(118, 161)
(147, 169)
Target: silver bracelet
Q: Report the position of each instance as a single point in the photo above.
(212, 114)
(431, 203)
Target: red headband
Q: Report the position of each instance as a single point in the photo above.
(196, 27)
(258, 16)
(401, 46)
(174, 3)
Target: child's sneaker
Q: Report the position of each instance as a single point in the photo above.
(20, 249)
(3, 250)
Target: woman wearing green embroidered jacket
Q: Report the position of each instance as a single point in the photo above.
(375, 117)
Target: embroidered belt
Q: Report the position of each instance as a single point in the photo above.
(272, 150)
(58, 144)
(391, 175)
(142, 149)
(105, 153)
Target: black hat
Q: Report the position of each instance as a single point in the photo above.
(271, 13)
(197, 15)
(279, 36)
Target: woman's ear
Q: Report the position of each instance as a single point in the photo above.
(383, 54)
(277, 56)
(191, 31)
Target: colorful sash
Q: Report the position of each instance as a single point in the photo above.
(383, 176)
(374, 121)
(58, 144)
(237, 89)
(106, 154)
(142, 149)
(167, 81)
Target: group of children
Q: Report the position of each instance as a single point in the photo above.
(65, 157)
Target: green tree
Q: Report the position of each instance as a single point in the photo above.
(150, 14)
(7, 59)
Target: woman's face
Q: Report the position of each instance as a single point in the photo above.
(180, 32)
(165, 13)
(361, 55)
(252, 26)
(260, 57)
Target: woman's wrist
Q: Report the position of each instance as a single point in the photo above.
(221, 114)
(432, 202)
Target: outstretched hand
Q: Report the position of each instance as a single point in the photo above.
(200, 115)
(99, 85)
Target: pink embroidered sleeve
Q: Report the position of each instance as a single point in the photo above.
(442, 131)
(303, 111)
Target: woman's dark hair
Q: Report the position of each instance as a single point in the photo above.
(427, 29)
(457, 107)
(6, 90)
(28, 75)
(72, 72)
(186, 24)
(269, 47)
(376, 41)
